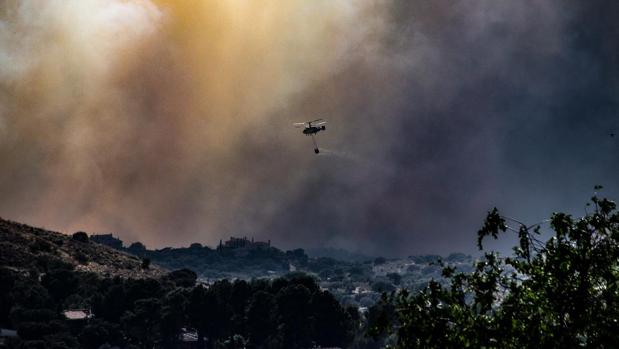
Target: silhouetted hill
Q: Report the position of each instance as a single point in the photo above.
(23, 248)
(237, 258)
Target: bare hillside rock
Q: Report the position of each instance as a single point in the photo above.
(23, 247)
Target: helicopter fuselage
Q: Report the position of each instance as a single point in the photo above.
(313, 130)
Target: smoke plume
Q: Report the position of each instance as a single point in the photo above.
(170, 122)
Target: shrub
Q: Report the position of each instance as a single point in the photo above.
(80, 236)
(183, 277)
(137, 248)
(40, 245)
(382, 286)
(81, 257)
(145, 263)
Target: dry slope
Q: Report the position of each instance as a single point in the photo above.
(23, 247)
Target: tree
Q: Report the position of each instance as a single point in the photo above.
(562, 293)
(332, 325)
(29, 293)
(60, 283)
(210, 311)
(298, 256)
(196, 246)
(137, 248)
(99, 332)
(382, 286)
(260, 318)
(221, 311)
(173, 315)
(293, 307)
(143, 324)
(80, 236)
(136, 289)
(395, 278)
(81, 257)
(145, 263)
(112, 304)
(197, 310)
(183, 277)
(304, 279)
(239, 298)
(7, 282)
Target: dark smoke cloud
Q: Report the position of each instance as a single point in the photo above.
(488, 103)
(181, 131)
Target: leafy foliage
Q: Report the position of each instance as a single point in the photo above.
(562, 293)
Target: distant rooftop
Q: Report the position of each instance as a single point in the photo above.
(77, 314)
(7, 333)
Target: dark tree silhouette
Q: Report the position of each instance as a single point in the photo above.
(562, 293)
(80, 236)
(183, 277)
(293, 304)
(260, 318)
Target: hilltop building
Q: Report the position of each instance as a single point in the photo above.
(235, 243)
(108, 240)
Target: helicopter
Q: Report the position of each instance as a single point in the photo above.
(311, 128)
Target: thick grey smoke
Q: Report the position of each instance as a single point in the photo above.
(170, 122)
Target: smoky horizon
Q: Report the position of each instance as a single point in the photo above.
(171, 122)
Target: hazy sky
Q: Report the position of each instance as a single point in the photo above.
(170, 121)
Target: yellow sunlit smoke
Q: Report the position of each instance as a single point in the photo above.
(247, 58)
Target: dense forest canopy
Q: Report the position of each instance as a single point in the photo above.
(288, 312)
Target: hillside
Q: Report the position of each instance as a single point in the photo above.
(48, 302)
(236, 258)
(23, 247)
